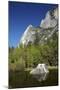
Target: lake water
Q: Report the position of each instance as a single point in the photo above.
(24, 79)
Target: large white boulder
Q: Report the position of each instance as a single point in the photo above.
(40, 69)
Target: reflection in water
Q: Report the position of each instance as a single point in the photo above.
(25, 79)
(41, 77)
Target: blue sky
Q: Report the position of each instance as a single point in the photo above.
(21, 15)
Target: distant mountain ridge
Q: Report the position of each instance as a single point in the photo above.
(48, 26)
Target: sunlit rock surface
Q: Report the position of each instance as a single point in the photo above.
(44, 32)
(40, 69)
(28, 35)
(50, 19)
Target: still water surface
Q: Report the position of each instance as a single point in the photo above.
(24, 79)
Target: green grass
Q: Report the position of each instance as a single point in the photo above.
(52, 67)
(28, 69)
(49, 67)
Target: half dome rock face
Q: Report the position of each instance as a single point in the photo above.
(28, 35)
(50, 19)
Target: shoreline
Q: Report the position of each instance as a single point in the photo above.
(29, 69)
(49, 67)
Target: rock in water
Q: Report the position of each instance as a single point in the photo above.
(40, 69)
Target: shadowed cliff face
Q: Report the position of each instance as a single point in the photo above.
(46, 30)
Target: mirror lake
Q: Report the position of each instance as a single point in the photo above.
(22, 79)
